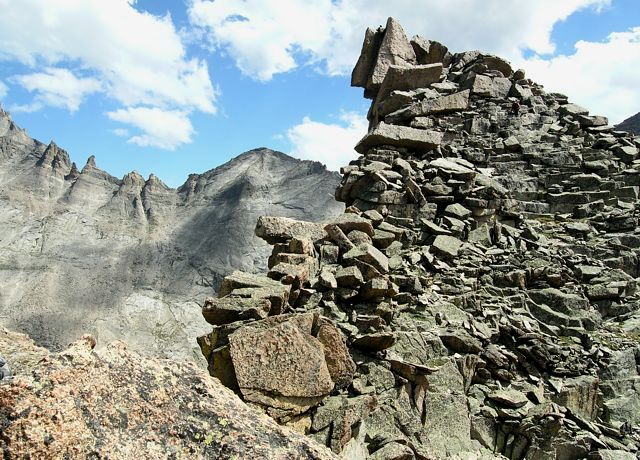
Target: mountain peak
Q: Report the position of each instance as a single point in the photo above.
(154, 182)
(56, 158)
(631, 124)
(7, 125)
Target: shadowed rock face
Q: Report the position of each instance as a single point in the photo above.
(114, 403)
(631, 124)
(84, 252)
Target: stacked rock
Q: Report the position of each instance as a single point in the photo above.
(478, 295)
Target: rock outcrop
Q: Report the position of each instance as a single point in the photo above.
(631, 124)
(84, 252)
(114, 403)
(479, 294)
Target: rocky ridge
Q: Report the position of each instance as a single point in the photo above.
(478, 297)
(84, 252)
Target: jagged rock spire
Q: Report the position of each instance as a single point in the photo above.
(55, 158)
(73, 173)
(380, 50)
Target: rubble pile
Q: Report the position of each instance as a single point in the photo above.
(478, 297)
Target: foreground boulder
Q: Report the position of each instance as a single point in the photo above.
(285, 364)
(279, 363)
(113, 403)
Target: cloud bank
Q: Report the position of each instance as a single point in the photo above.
(132, 57)
(267, 38)
(602, 76)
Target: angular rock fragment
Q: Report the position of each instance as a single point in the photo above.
(509, 398)
(404, 78)
(228, 310)
(349, 222)
(573, 109)
(281, 229)
(349, 276)
(254, 286)
(481, 85)
(394, 50)
(282, 365)
(400, 136)
(445, 104)
(375, 341)
(368, 254)
(499, 64)
(430, 51)
(446, 246)
(339, 363)
(461, 342)
(367, 59)
(457, 210)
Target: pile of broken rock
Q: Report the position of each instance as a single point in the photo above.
(478, 296)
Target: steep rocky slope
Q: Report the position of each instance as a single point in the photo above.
(631, 124)
(478, 297)
(114, 403)
(84, 252)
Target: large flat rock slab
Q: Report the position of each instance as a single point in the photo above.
(400, 136)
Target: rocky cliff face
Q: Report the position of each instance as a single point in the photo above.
(82, 251)
(478, 297)
(631, 124)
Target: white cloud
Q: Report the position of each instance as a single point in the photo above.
(262, 36)
(266, 38)
(26, 108)
(165, 129)
(331, 144)
(139, 59)
(601, 76)
(59, 87)
(3, 89)
(121, 132)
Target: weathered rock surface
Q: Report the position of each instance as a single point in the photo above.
(84, 252)
(82, 403)
(283, 363)
(394, 49)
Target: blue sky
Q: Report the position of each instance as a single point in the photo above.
(174, 87)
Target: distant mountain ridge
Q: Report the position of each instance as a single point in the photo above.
(631, 124)
(82, 251)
